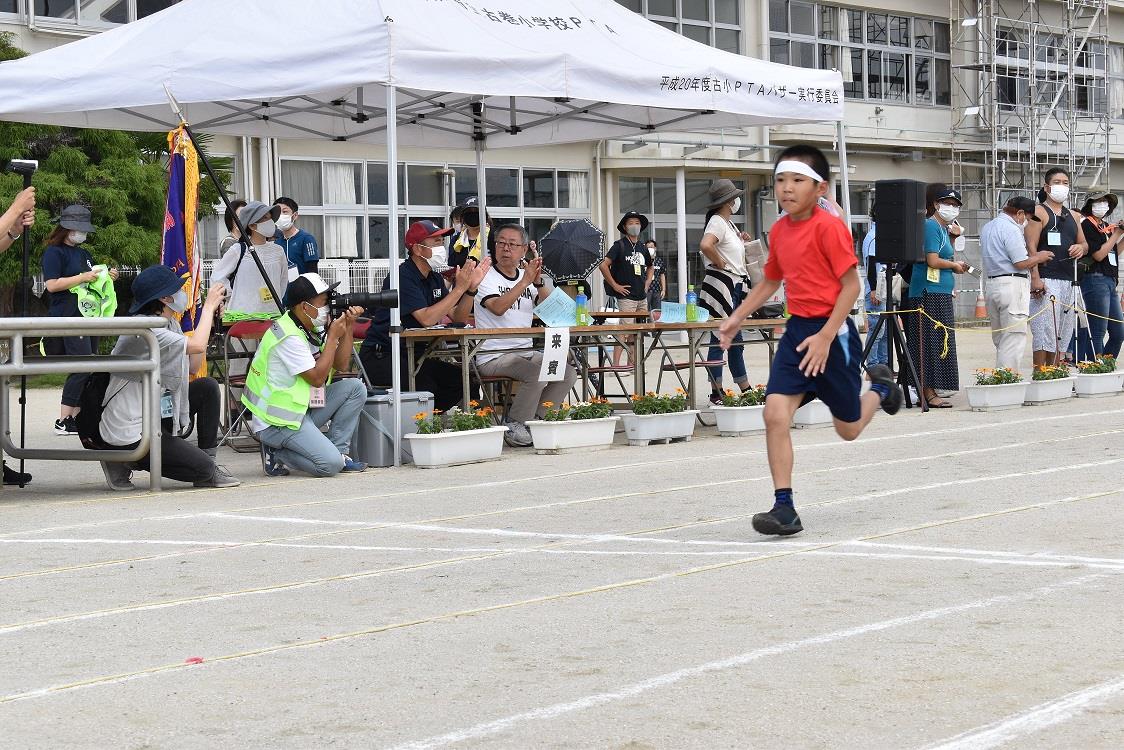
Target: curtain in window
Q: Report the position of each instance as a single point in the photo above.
(578, 185)
(847, 63)
(1116, 85)
(340, 237)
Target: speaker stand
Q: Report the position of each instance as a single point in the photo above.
(907, 374)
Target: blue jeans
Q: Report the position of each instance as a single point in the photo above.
(1101, 298)
(310, 450)
(735, 356)
(878, 353)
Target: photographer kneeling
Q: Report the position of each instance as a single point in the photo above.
(289, 388)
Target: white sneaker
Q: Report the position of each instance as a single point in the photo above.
(517, 436)
(118, 476)
(220, 478)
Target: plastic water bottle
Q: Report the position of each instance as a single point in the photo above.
(582, 312)
(692, 304)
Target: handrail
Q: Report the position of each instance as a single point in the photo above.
(15, 330)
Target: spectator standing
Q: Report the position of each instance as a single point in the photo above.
(473, 241)
(1059, 232)
(657, 291)
(300, 246)
(250, 298)
(931, 287)
(423, 301)
(628, 271)
(876, 295)
(506, 299)
(158, 290)
(290, 389)
(726, 282)
(232, 233)
(1006, 267)
(67, 265)
(1099, 284)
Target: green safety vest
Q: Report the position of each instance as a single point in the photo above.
(280, 408)
(97, 298)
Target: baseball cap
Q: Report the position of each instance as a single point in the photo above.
(306, 287)
(423, 230)
(1022, 203)
(948, 193)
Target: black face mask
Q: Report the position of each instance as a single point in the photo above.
(471, 220)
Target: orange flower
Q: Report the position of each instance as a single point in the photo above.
(420, 415)
(565, 405)
(474, 404)
(634, 397)
(548, 404)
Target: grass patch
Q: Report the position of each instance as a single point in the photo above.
(53, 380)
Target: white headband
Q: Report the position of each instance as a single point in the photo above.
(798, 167)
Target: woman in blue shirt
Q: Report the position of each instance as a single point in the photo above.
(930, 287)
(66, 264)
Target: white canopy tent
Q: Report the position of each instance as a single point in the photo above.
(435, 73)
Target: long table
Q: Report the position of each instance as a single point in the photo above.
(461, 345)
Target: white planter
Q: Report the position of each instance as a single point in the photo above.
(996, 397)
(734, 421)
(456, 448)
(812, 414)
(1099, 384)
(642, 429)
(572, 436)
(1043, 391)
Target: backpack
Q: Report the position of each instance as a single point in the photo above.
(90, 401)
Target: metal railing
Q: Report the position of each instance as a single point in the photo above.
(17, 330)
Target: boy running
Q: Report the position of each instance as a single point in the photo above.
(819, 355)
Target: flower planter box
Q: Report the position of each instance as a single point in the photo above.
(734, 421)
(1099, 384)
(573, 435)
(1044, 391)
(812, 414)
(642, 429)
(456, 448)
(996, 397)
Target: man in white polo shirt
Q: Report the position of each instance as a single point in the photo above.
(506, 299)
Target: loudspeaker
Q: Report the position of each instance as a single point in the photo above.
(900, 221)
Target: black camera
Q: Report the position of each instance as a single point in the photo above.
(339, 303)
(26, 167)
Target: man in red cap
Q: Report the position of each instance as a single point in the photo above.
(424, 301)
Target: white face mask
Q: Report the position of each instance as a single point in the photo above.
(179, 302)
(1059, 193)
(321, 318)
(284, 222)
(1100, 209)
(266, 229)
(948, 213)
(737, 205)
(457, 226)
(76, 238)
(439, 257)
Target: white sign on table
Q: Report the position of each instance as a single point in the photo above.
(555, 354)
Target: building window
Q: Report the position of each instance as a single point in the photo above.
(712, 22)
(91, 14)
(331, 196)
(882, 56)
(1089, 91)
(1116, 81)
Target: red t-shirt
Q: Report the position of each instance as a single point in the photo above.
(809, 257)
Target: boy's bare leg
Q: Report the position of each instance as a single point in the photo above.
(869, 402)
(779, 409)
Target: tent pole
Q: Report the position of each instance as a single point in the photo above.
(392, 240)
(845, 178)
(681, 230)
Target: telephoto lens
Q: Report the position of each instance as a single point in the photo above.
(339, 303)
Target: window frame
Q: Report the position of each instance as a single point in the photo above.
(678, 22)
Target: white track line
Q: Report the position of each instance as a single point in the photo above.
(638, 465)
(1042, 716)
(548, 713)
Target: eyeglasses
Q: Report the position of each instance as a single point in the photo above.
(512, 245)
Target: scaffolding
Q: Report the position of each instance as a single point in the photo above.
(1030, 91)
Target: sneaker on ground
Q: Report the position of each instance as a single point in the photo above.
(517, 435)
(118, 476)
(220, 478)
(715, 399)
(13, 477)
(66, 426)
(780, 521)
(883, 375)
(350, 465)
(270, 465)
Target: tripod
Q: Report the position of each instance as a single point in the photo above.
(897, 343)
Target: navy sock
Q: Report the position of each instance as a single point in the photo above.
(881, 389)
(783, 497)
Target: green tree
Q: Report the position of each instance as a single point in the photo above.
(121, 176)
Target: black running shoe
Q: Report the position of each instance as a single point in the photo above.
(884, 375)
(782, 520)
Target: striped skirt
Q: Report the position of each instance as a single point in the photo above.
(721, 292)
(927, 342)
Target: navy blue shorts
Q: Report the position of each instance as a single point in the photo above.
(838, 386)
